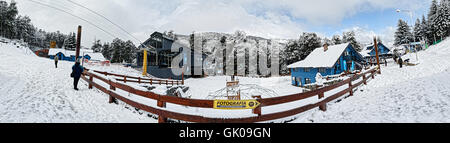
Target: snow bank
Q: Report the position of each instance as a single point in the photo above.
(32, 90)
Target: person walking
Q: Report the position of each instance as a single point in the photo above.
(400, 62)
(56, 61)
(77, 70)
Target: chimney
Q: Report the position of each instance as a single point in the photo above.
(325, 47)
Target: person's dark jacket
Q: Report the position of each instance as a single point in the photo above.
(77, 70)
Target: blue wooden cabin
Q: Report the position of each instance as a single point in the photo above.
(65, 55)
(327, 60)
(383, 51)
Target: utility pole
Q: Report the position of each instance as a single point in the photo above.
(77, 54)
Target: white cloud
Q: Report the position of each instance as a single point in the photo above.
(365, 36)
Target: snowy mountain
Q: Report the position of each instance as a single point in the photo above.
(213, 44)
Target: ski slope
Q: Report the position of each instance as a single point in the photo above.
(418, 94)
(32, 90)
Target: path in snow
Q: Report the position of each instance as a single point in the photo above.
(32, 90)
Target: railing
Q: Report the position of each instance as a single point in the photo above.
(140, 80)
(162, 100)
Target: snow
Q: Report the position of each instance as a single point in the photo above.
(320, 58)
(32, 90)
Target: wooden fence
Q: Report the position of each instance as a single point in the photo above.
(140, 80)
(164, 114)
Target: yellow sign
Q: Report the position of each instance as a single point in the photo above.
(52, 44)
(235, 104)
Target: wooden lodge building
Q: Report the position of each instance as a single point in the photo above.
(327, 60)
(160, 56)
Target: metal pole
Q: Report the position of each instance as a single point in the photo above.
(414, 35)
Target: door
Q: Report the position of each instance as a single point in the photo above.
(299, 81)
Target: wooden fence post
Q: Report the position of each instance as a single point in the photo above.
(111, 99)
(151, 81)
(351, 87)
(364, 79)
(139, 80)
(322, 107)
(257, 110)
(373, 74)
(162, 119)
(124, 79)
(91, 79)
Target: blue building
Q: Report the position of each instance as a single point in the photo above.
(383, 51)
(327, 60)
(66, 55)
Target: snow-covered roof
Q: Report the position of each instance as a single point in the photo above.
(54, 51)
(94, 56)
(320, 58)
(365, 53)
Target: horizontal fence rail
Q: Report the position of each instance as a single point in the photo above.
(151, 81)
(162, 100)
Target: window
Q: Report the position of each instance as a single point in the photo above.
(307, 81)
(307, 69)
(322, 70)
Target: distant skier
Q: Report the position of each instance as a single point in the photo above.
(77, 70)
(56, 61)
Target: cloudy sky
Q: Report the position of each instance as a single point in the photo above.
(265, 18)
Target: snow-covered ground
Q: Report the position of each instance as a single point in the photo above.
(32, 90)
(412, 94)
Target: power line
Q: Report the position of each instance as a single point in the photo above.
(98, 14)
(112, 35)
(40, 3)
(69, 6)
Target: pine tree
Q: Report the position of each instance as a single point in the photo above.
(431, 32)
(117, 48)
(336, 39)
(424, 29)
(441, 20)
(445, 12)
(418, 30)
(403, 34)
(106, 51)
(97, 47)
(327, 41)
(128, 51)
(70, 42)
(349, 37)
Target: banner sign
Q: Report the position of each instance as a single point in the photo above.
(235, 104)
